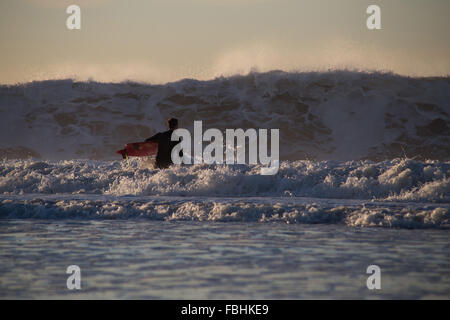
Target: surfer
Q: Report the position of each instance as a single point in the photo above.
(165, 144)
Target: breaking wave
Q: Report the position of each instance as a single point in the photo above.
(360, 149)
(338, 115)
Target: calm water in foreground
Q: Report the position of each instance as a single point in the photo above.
(141, 259)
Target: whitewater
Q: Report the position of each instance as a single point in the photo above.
(363, 179)
(396, 193)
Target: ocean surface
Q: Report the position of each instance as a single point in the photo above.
(148, 259)
(224, 232)
(363, 180)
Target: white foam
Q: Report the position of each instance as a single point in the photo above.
(269, 209)
(394, 180)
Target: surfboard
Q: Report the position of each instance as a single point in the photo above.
(139, 149)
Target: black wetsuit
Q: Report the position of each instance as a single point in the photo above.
(165, 146)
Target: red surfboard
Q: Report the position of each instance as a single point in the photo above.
(139, 149)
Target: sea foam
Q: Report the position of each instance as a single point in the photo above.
(392, 180)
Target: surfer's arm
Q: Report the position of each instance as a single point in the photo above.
(153, 138)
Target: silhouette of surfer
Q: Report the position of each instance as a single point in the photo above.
(165, 144)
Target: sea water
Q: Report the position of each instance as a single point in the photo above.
(340, 115)
(141, 259)
(363, 180)
(218, 232)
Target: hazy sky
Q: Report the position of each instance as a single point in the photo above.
(165, 40)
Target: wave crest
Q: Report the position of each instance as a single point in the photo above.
(339, 115)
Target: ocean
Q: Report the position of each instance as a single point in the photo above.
(146, 259)
(363, 181)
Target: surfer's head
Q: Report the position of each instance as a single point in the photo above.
(172, 123)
